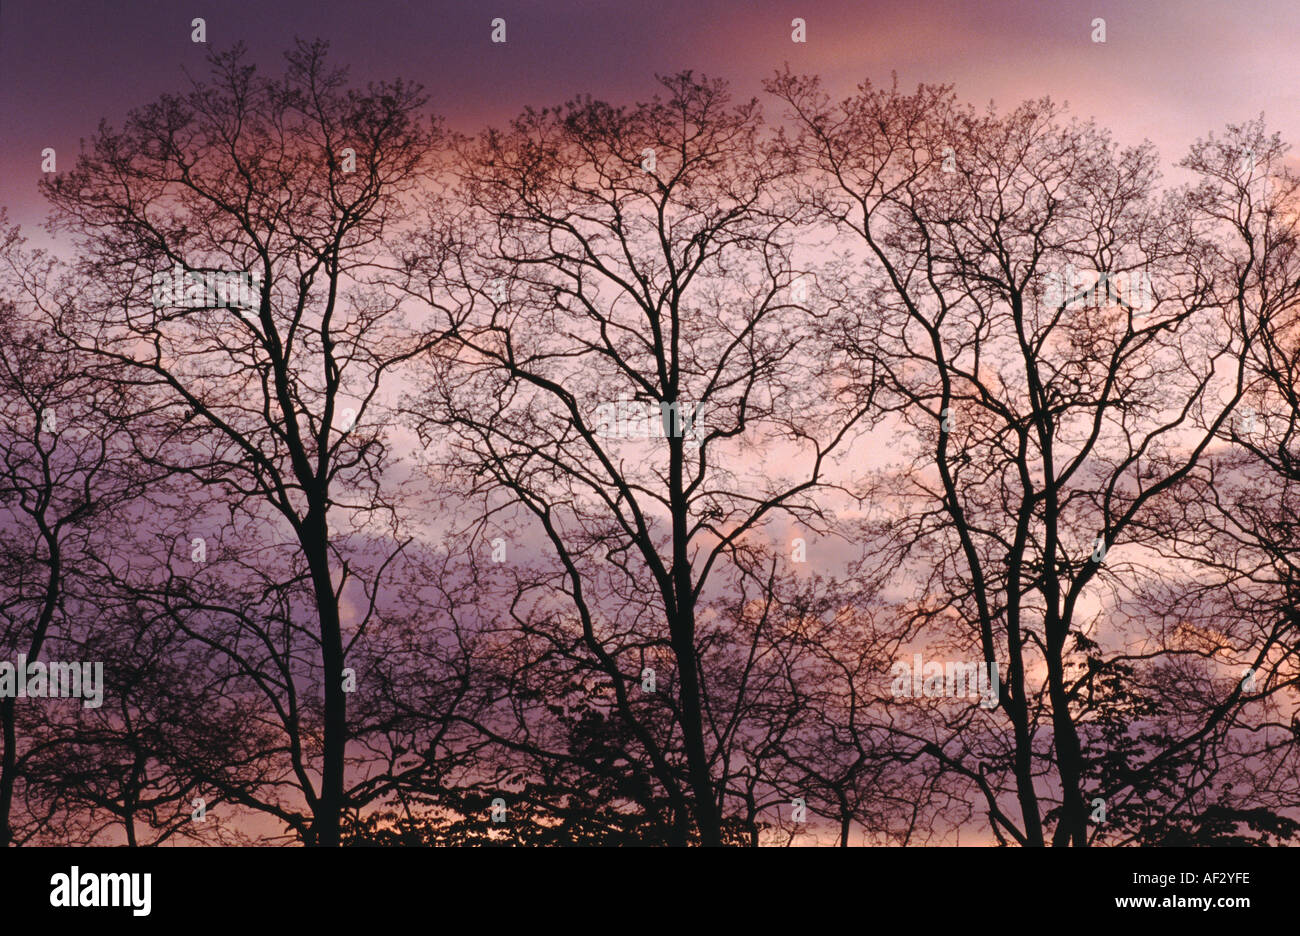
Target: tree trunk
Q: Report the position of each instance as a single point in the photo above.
(328, 809)
(1073, 827)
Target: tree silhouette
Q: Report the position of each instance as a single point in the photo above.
(626, 343)
(582, 481)
(1043, 431)
(270, 399)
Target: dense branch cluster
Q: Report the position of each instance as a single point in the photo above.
(651, 474)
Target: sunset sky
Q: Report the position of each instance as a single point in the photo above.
(1170, 70)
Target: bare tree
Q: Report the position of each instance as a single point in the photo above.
(1050, 417)
(226, 237)
(630, 366)
(65, 474)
